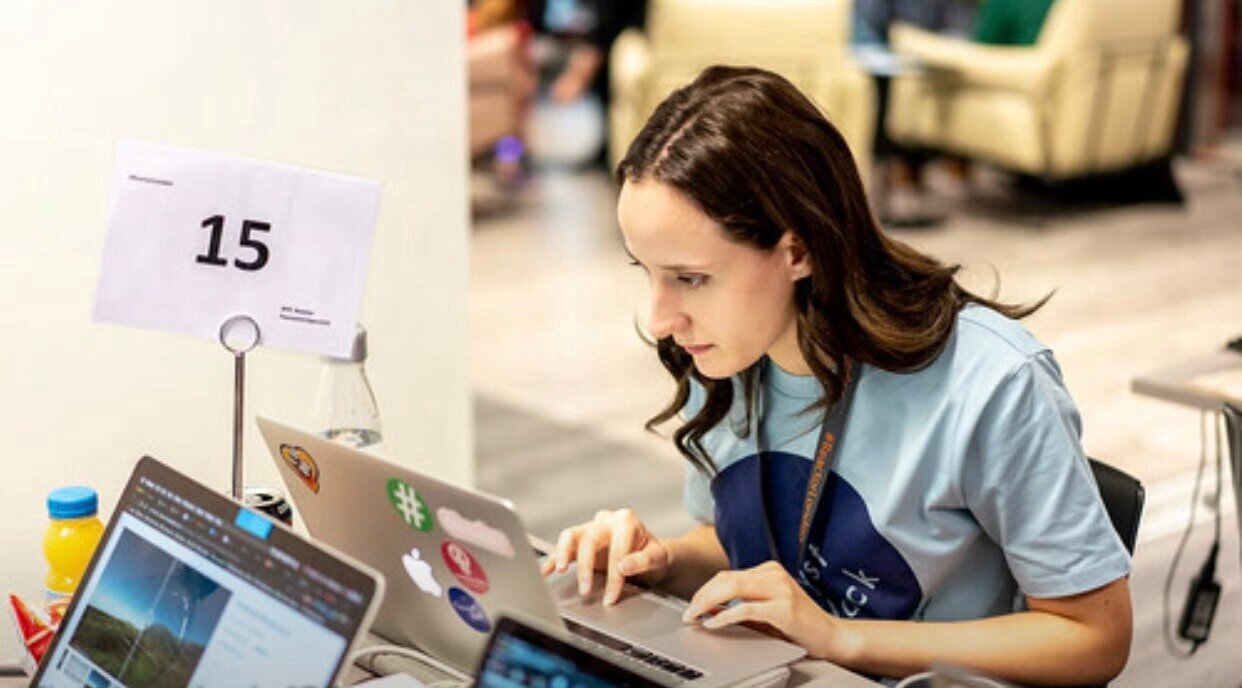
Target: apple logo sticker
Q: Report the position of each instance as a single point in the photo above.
(420, 572)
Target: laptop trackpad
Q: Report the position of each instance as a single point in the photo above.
(637, 615)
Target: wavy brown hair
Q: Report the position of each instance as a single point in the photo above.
(760, 159)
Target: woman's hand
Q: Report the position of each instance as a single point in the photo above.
(769, 596)
(615, 542)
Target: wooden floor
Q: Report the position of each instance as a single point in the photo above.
(563, 384)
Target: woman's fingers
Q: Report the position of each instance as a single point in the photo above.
(595, 537)
(625, 534)
(652, 558)
(564, 552)
(768, 596)
(616, 542)
(759, 583)
(762, 612)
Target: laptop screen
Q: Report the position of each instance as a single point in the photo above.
(520, 656)
(188, 588)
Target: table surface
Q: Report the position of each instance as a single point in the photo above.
(1174, 383)
(805, 674)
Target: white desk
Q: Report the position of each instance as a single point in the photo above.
(1181, 384)
(352, 675)
(1176, 383)
(805, 674)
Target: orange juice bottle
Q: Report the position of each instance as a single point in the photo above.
(70, 538)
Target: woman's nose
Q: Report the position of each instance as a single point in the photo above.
(666, 318)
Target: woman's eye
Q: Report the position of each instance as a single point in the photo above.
(692, 280)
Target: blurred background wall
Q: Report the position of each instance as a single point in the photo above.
(373, 88)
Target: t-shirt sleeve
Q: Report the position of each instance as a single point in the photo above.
(697, 490)
(698, 496)
(1027, 481)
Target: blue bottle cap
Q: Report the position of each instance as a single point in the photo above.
(72, 502)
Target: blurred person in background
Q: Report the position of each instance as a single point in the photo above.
(502, 85)
(588, 27)
(910, 200)
(1010, 22)
(539, 80)
(904, 202)
(574, 71)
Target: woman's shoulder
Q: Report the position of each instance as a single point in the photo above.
(991, 354)
(985, 349)
(985, 332)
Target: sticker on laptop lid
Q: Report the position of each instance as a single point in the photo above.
(301, 462)
(409, 505)
(474, 532)
(462, 564)
(421, 573)
(469, 610)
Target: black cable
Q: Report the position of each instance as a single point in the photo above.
(1170, 642)
(1203, 594)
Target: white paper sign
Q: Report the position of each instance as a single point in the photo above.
(196, 238)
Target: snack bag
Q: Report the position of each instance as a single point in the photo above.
(35, 629)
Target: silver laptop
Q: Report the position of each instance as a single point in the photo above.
(456, 560)
(188, 588)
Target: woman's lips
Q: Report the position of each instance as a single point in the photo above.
(696, 350)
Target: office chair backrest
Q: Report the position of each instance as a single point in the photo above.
(1123, 497)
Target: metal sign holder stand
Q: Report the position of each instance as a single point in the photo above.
(238, 335)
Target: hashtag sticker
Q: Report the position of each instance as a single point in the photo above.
(412, 509)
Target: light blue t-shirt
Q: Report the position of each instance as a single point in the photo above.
(956, 489)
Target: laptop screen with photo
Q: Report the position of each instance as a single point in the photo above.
(187, 588)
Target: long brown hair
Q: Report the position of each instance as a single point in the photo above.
(760, 159)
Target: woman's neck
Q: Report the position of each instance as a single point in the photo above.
(787, 356)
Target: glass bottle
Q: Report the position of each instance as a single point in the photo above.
(345, 408)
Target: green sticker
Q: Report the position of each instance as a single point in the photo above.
(409, 505)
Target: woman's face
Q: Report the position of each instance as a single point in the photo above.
(724, 302)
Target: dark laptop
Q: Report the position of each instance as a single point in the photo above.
(520, 655)
(188, 588)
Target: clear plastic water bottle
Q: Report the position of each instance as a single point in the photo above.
(345, 407)
(70, 538)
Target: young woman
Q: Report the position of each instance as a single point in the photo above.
(886, 466)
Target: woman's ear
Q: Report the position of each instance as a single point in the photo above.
(797, 258)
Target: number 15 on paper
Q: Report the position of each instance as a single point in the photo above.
(216, 224)
(194, 238)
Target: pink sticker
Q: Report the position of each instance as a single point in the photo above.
(464, 566)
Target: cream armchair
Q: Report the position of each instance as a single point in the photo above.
(1098, 92)
(805, 40)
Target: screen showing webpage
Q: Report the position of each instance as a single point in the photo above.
(181, 596)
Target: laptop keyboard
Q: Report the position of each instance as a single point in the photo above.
(613, 644)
